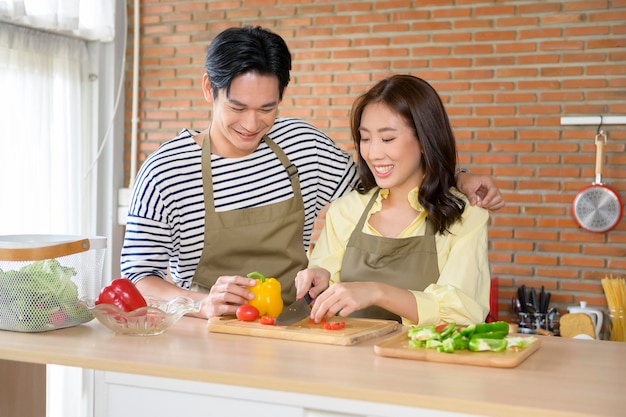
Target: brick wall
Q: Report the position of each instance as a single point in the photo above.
(507, 71)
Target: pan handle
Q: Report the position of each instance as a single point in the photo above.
(600, 141)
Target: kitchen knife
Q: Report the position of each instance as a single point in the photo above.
(546, 305)
(533, 298)
(515, 305)
(296, 311)
(521, 296)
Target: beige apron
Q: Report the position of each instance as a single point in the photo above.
(409, 263)
(267, 239)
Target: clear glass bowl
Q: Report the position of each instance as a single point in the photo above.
(152, 320)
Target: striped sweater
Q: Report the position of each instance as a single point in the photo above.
(165, 225)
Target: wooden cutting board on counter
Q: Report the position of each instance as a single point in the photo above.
(398, 347)
(355, 331)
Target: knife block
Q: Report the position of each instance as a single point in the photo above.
(530, 322)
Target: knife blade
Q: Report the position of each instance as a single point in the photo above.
(296, 311)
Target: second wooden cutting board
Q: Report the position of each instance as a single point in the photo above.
(398, 347)
(356, 330)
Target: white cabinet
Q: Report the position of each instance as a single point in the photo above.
(129, 395)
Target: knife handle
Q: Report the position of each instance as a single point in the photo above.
(533, 298)
(307, 298)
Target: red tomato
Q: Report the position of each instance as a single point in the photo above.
(335, 325)
(439, 328)
(246, 312)
(311, 321)
(267, 320)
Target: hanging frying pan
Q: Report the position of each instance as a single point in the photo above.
(597, 207)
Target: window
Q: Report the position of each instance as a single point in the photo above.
(61, 144)
(52, 112)
(44, 134)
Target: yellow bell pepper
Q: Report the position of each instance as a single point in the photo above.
(267, 296)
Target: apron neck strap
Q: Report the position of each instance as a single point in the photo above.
(207, 177)
(365, 213)
(430, 229)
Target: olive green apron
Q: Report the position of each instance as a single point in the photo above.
(267, 239)
(409, 263)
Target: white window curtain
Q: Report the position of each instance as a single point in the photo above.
(88, 19)
(51, 103)
(44, 178)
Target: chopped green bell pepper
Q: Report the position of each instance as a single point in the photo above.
(448, 338)
(424, 333)
(477, 344)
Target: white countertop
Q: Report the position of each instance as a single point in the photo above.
(565, 377)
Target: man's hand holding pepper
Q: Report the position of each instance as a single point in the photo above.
(228, 293)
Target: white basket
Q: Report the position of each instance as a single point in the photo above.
(43, 277)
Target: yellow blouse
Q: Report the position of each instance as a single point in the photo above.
(460, 295)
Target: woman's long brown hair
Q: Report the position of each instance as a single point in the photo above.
(417, 102)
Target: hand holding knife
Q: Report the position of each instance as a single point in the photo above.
(301, 308)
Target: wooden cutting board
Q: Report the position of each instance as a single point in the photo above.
(356, 330)
(398, 347)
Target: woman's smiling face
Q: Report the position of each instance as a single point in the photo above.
(389, 147)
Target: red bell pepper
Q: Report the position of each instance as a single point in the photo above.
(123, 294)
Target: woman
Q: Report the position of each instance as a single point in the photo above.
(407, 244)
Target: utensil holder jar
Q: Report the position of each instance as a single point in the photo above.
(617, 324)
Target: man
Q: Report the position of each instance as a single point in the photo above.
(243, 195)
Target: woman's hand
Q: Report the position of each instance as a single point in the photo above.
(314, 280)
(481, 190)
(343, 299)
